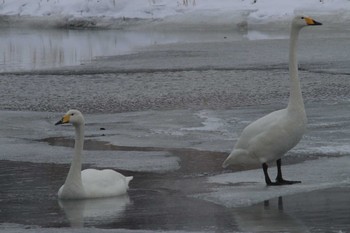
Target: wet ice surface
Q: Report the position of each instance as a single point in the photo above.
(327, 173)
(170, 115)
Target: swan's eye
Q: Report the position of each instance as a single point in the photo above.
(302, 17)
(72, 114)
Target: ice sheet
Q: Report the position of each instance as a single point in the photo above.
(203, 130)
(213, 130)
(20, 134)
(125, 160)
(248, 187)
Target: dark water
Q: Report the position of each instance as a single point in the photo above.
(29, 48)
(161, 202)
(155, 201)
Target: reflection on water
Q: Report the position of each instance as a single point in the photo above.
(265, 217)
(90, 211)
(30, 49)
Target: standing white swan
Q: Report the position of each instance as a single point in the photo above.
(89, 183)
(270, 137)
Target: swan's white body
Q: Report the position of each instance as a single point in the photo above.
(89, 183)
(270, 137)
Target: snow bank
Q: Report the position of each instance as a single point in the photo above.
(123, 13)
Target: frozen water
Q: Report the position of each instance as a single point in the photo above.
(203, 130)
(20, 142)
(249, 188)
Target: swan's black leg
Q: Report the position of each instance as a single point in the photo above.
(279, 179)
(267, 178)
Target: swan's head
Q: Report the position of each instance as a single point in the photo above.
(72, 116)
(302, 21)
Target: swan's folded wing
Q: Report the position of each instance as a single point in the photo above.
(104, 183)
(259, 127)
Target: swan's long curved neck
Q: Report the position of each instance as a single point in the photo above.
(295, 99)
(74, 174)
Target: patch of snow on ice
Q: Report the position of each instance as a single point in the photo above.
(256, 35)
(329, 150)
(210, 123)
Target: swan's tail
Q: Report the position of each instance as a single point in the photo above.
(128, 179)
(237, 156)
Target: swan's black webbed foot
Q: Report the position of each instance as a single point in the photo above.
(279, 179)
(287, 182)
(282, 182)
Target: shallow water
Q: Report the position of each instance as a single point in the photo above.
(29, 49)
(160, 202)
(171, 113)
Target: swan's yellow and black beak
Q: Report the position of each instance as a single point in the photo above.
(65, 119)
(311, 22)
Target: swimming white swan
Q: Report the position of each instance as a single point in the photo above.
(270, 137)
(89, 183)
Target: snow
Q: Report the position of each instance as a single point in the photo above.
(223, 12)
(210, 123)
